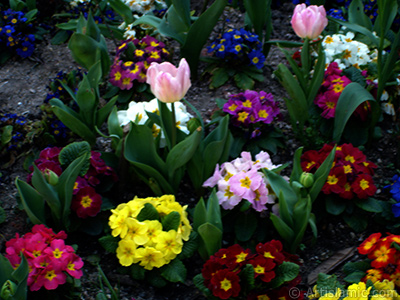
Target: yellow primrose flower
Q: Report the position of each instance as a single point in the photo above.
(125, 251)
(169, 243)
(154, 228)
(150, 257)
(357, 291)
(117, 221)
(137, 231)
(385, 291)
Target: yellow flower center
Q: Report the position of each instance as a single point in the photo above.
(364, 184)
(332, 179)
(245, 182)
(86, 201)
(226, 284)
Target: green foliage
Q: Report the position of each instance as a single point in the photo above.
(328, 284)
(208, 224)
(213, 149)
(51, 193)
(295, 201)
(89, 117)
(109, 243)
(13, 282)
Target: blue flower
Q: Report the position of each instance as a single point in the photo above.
(256, 58)
(26, 49)
(395, 188)
(396, 210)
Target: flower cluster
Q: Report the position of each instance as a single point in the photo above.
(49, 258)
(86, 202)
(222, 272)
(252, 107)
(132, 60)
(384, 257)
(351, 174)
(330, 91)
(152, 242)
(242, 179)
(378, 291)
(395, 191)
(15, 33)
(137, 113)
(239, 47)
(145, 6)
(346, 52)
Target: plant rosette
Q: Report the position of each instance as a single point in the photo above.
(252, 117)
(132, 60)
(237, 273)
(86, 201)
(151, 234)
(381, 263)
(328, 287)
(238, 54)
(50, 260)
(350, 178)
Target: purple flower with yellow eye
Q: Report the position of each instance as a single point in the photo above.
(232, 107)
(263, 114)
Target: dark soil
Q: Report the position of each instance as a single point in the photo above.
(23, 89)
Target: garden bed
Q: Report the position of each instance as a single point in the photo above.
(23, 88)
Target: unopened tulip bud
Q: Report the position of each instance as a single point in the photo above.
(307, 179)
(8, 290)
(309, 22)
(51, 177)
(193, 124)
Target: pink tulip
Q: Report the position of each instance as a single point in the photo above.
(168, 83)
(308, 22)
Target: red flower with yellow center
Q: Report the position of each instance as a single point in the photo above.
(225, 284)
(335, 181)
(263, 268)
(86, 203)
(364, 186)
(382, 255)
(369, 244)
(374, 275)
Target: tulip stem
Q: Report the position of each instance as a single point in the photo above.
(173, 133)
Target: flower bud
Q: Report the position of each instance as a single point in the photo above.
(51, 177)
(193, 124)
(308, 22)
(8, 290)
(307, 179)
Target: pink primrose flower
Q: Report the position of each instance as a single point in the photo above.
(227, 198)
(245, 184)
(74, 266)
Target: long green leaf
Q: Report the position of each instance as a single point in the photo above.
(352, 96)
(211, 236)
(297, 170)
(182, 153)
(123, 10)
(150, 174)
(282, 228)
(357, 15)
(73, 123)
(140, 148)
(47, 191)
(321, 174)
(301, 216)
(66, 183)
(32, 202)
(199, 33)
(257, 11)
(182, 8)
(104, 112)
(83, 49)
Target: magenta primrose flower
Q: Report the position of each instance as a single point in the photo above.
(49, 258)
(168, 83)
(309, 22)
